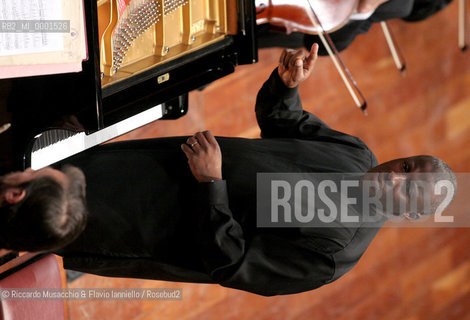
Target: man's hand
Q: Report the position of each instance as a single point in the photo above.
(295, 65)
(365, 6)
(204, 156)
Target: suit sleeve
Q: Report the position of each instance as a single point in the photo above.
(279, 112)
(266, 264)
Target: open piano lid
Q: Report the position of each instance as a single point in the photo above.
(165, 71)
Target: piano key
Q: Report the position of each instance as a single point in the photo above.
(78, 142)
(51, 136)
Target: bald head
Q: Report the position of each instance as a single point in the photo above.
(412, 186)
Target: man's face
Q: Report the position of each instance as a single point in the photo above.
(406, 185)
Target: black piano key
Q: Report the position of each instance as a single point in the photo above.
(50, 137)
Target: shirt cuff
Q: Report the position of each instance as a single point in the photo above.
(278, 88)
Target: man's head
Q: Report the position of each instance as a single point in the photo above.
(411, 187)
(41, 210)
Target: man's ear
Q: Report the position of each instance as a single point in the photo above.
(412, 216)
(14, 195)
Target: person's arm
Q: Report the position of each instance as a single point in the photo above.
(266, 264)
(278, 107)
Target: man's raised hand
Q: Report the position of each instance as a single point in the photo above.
(295, 65)
(204, 156)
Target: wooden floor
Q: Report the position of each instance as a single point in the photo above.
(410, 274)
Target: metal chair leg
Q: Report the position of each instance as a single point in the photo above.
(463, 25)
(392, 45)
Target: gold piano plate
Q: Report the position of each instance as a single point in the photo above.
(137, 35)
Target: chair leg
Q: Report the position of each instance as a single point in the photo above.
(346, 76)
(392, 45)
(463, 25)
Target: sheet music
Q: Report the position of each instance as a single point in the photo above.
(29, 42)
(59, 50)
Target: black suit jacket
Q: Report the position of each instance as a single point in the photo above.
(149, 218)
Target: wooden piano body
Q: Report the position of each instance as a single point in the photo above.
(181, 45)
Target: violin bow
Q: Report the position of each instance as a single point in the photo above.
(463, 24)
(396, 54)
(348, 80)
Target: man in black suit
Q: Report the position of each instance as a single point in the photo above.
(152, 216)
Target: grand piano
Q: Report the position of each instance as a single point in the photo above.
(144, 58)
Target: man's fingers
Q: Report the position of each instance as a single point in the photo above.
(298, 71)
(187, 150)
(210, 137)
(282, 57)
(296, 65)
(281, 69)
(201, 139)
(297, 56)
(191, 140)
(286, 57)
(193, 143)
(313, 56)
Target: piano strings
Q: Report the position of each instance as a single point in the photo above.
(134, 19)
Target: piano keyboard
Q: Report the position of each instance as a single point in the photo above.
(55, 145)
